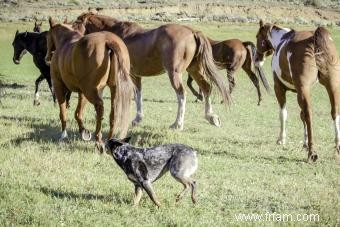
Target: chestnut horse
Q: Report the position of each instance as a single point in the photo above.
(172, 48)
(300, 59)
(233, 54)
(86, 64)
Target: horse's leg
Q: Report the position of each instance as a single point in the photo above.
(49, 82)
(78, 115)
(303, 96)
(95, 97)
(36, 94)
(60, 91)
(334, 96)
(254, 80)
(176, 82)
(231, 80)
(280, 93)
(192, 89)
(138, 99)
(68, 97)
(206, 89)
(305, 132)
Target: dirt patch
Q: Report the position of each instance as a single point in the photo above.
(290, 12)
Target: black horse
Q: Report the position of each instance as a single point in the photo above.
(35, 44)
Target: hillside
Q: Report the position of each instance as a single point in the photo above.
(303, 12)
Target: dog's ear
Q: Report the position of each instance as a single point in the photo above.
(126, 140)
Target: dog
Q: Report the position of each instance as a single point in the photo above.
(145, 165)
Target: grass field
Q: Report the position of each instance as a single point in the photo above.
(241, 169)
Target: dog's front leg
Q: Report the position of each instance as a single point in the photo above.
(138, 195)
(148, 188)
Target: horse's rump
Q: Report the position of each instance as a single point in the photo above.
(325, 50)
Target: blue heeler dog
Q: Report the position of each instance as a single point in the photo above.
(145, 165)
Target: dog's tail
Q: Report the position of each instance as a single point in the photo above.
(119, 78)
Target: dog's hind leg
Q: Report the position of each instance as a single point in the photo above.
(193, 191)
(182, 166)
(138, 195)
(187, 183)
(148, 188)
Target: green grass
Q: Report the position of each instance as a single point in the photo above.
(241, 169)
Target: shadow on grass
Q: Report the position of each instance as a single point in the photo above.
(42, 132)
(115, 197)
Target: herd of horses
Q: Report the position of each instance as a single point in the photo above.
(96, 51)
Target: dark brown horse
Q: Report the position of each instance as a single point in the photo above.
(231, 55)
(172, 48)
(300, 60)
(86, 64)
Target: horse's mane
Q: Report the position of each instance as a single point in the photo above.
(126, 28)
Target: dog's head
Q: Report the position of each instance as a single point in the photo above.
(113, 144)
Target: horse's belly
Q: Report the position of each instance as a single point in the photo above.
(147, 67)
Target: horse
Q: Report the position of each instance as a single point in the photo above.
(35, 44)
(86, 64)
(37, 27)
(233, 54)
(172, 48)
(300, 59)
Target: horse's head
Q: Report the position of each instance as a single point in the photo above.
(263, 46)
(37, 27)
(19, 46)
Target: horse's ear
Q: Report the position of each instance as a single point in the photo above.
(126, 140)
(51, 21)
(261, 23)
(17, 32)
(65, 21)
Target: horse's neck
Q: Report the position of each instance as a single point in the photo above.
(127, 30)
(276, 35)
(67, 38)
(31, 42)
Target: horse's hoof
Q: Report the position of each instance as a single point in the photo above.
(36, 103)
(305, 146)
(63, 136)
(200, 98)
(100, 147)
(136, 121)
(86, 135)
(214, 120)
(281, 142)
(312, 157)
(176, 126)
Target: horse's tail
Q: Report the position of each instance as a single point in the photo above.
(205, 58)
(119, 77)
(325, 50)
(255, 68)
